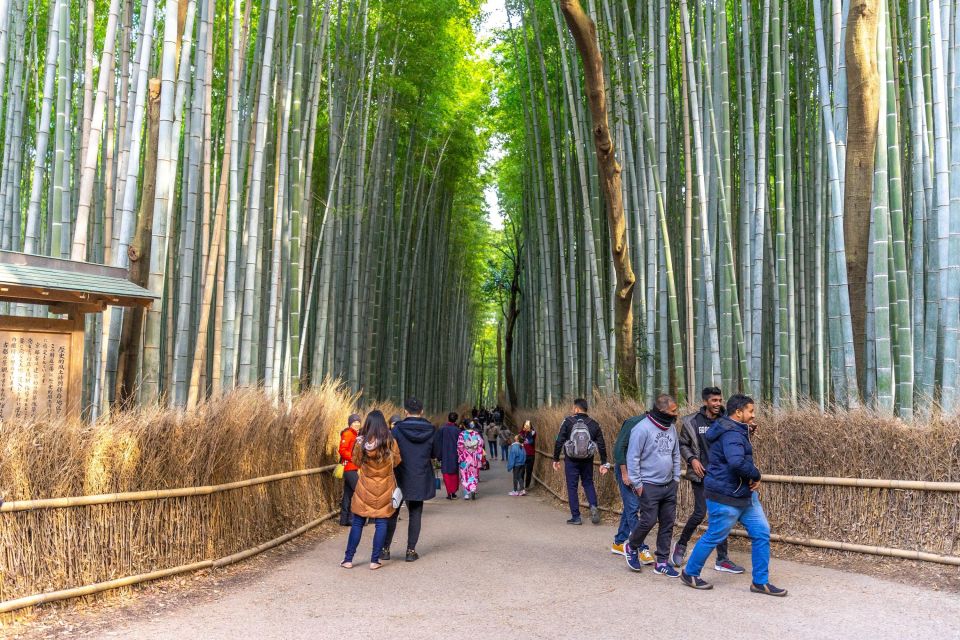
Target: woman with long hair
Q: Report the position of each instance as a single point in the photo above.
(375, 454)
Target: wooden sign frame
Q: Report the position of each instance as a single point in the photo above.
(72, 326)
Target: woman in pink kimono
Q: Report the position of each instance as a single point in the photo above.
(470, 455)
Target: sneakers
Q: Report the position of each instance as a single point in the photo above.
(617, 549)
(594, 515)
(385, 554)
(727, 566)
(768, 589)
(514, 493)
(645, 556)
(523, 492)
(694, 582)
(677, 557)
(633, 557)
(574, 521)
(664, 569)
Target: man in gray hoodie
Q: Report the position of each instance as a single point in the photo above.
(653, 466)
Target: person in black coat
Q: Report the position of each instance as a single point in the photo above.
(419, 446)
(449, 466)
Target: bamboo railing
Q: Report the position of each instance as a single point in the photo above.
(890, 552)
(136, 496)
(907, 485)
(159, 494)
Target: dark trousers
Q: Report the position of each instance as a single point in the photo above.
(356, 531)
(349, 486)
(493, 449)
(518, 472)
(528, 470)
(579, 471)
(696, 518)
(503, 451)
(415, 515)
(658, 503)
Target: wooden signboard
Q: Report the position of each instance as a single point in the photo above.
(41, 362)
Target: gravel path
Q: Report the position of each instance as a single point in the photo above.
(505, 567)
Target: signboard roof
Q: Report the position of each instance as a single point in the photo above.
(43, 280)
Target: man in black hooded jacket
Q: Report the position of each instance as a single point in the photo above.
(419, 447)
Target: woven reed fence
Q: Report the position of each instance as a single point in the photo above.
(162, 492)
(813, 465)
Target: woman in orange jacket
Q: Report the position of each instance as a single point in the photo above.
(347, 439)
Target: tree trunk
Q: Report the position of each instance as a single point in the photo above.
(139, 254)
(513, 313)
(584, 33)
(863, 99)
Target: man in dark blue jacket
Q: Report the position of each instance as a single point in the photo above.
(730, 488)
(419, 446)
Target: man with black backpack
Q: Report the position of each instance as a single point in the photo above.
(580, 438)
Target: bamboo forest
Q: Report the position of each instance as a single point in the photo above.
(624, 197)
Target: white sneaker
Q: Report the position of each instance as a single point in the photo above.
(513, 493)
(523, 492)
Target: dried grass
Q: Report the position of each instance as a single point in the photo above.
(806, 442)
(241, 436)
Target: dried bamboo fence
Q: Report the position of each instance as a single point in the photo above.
(161, 493)
(818, 490)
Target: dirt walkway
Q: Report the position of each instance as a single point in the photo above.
(505, 567)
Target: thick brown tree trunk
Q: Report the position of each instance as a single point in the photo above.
(863, 99)
(513, 311)
(585, 35)
(139, 254)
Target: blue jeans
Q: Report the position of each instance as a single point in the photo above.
(631, 504)
(722, 518)
(493, 449)
(356, 530)
(503, 452)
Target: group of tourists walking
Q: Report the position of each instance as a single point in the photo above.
(387, 465)
(714, 442)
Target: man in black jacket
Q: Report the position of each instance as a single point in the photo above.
(693, 449)
(580, 469)
(419, 446)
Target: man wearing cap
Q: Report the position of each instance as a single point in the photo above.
(350, 476)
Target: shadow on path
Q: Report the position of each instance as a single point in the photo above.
(508, 567)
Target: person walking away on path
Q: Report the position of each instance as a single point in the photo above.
(515, 463)
(376, 454)
(580, 438)
(347, 439)
(505, 440)
(470, 457)
(529, 441)
(448, 436)
(419, 446)
(730, 487)
(653, 463)
(492, 431)
(693, 449)
(629, 497)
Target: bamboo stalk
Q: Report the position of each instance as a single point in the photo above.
(76, 592)
(156, 494)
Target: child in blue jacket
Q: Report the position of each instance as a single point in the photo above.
(515, 463)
